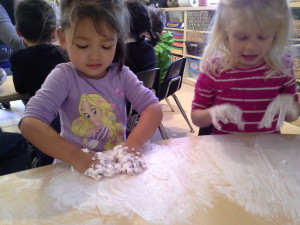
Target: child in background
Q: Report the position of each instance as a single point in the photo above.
(90, 91)
(9, 40)
(140, 53)
(163, 47)
(246, 77)
(36, 24)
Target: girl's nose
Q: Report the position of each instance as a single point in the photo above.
(251, 45)
(94, 54)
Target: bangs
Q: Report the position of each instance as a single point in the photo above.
(100, 22)
(262, 19)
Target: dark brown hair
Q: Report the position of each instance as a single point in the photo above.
(110, 13)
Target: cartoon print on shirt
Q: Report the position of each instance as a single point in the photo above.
(97, 124)
(119, 99)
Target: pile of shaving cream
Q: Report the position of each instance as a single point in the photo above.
(113, 162)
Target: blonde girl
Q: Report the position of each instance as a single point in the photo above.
(246, 82)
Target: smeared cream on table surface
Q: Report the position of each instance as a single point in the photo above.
(184, 182)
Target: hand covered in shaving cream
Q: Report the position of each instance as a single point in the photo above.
(115, 161)
(226, 113)
(129, 162)
(102, 167)
(281, 105)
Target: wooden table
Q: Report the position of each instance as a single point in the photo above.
(217, 179)
(8, 92)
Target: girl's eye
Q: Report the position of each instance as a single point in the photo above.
(81, 46)
(94, 111)
(106, 47)
(262, 37)
(242, 38)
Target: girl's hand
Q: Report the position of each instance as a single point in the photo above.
(226, 113)
(128, 160)
(101, 165)
(284, 106)
(119, 160)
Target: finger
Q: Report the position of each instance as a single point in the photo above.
(224, 120)
(216, 124)
(239, 122)
(241, 125)
(268, 117)
(281, 117)
(235, 116)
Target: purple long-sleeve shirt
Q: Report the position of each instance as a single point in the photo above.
(87, 105)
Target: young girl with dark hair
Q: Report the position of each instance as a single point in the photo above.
(89, 93)
(140, 52)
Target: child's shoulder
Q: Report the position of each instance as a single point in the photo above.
(115, 69)
(212, 66)
(123, 75)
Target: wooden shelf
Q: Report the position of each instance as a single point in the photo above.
(210, 7)
(193, 56)
(169, 28)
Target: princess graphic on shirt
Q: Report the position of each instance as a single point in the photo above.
(97, 124)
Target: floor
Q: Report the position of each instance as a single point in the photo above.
(173, 122)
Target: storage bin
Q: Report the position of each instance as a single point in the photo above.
(296, 29)
(296, 67)
(193, 73)
(194, 48)
(193, 63)
(174, 24)
(196, 36)
(174, 16)
(199, 20)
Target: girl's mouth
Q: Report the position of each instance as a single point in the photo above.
(249, 57)
(94, 66)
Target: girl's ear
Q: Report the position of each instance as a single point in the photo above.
(18, 32)
(61, 38)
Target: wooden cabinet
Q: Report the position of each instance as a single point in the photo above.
(191, 25)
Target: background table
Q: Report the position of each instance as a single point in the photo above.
(8, 92)
(217, 179)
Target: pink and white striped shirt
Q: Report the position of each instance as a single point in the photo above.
(249, 89)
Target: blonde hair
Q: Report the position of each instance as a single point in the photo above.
(264, 14)
(108, 119)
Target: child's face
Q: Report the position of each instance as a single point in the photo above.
(249, 44)
(90, 52)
